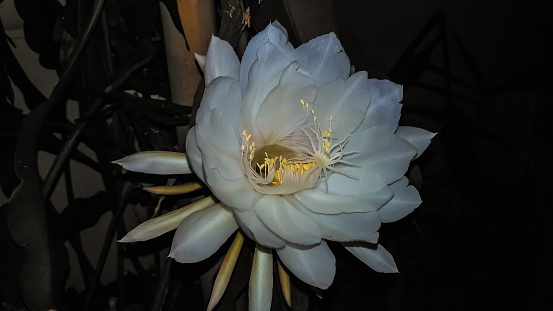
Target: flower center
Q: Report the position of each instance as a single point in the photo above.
(292, 163)
(276, 158)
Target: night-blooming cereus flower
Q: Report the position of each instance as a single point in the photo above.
(298, 152)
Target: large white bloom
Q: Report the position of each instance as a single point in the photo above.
(298, 151)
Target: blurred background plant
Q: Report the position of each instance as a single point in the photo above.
(478, 73)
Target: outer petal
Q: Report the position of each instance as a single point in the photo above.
(379, 151)
(286, 221)
(346, 102)
(346, 195)
(379, 259)
(264, 76)
(324, 58)
(349, 227)
(315, 265)
(218, 140)
(194, 154)
(170, 221)
(406, 199)
(222, 93)
(273, 33)
(385, 109)
(236, 193)
(202, 233)
(417, 137)
(221, 61)
(281, 113)
(253, 227)
(156, 162)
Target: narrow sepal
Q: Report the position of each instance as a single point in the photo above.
(261, 280)
(223, 276)
(285, 284)
(173, 190)
(156, 162)
(379, 259)
(157, 226)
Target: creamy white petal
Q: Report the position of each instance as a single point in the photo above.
(253, 227)
(224, 94)
(380, 152)
(346, 102)
(194, 154)
(385, 108)
(419, 138)
(202, 233)
(260, 290)
(218, 140)
(324, 58)
(221, 61)
(236, 193)
(286, 221)
(162, 224)
(156, 162)
(406, 199)
(346, 195)
(273, 33)
(379, 259)
(349, 226)
(315, 265)
(264, 76)
(282, 112)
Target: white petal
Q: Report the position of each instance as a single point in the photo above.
(221, 61)
(218, 140)
(264, 76)
(282, 112)
(236, 193)
(286, 221)
(162, 224)
(156, 162)
(202, 233)
(379, 259)
(417, 137)
(315, 265)
(406, 199)
(380, 152)
(346, 102)
(254, 228)
(324, 58)
(222, 93)
(346, 195)
(385, 109)
(194, 154)
(349, 227)
(260, 291)
(274, 33)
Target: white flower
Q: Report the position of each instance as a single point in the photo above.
(298, 152)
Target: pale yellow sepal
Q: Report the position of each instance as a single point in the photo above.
(285, 284)
(156, 162)
(260, 290)
(223, 276)
(173, 190)
(157, 226)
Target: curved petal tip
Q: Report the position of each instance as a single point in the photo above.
(156, 162)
